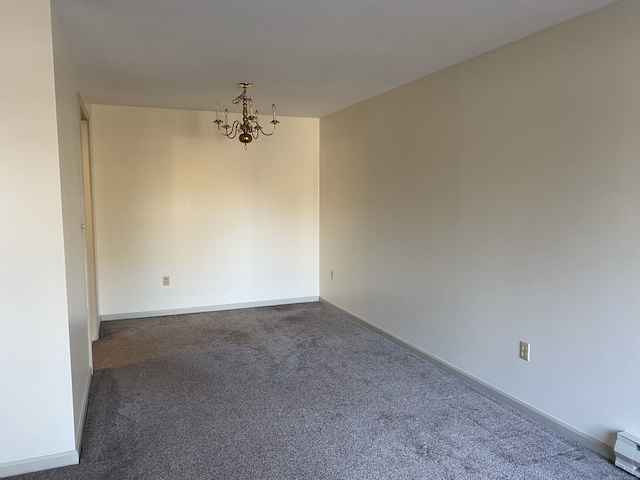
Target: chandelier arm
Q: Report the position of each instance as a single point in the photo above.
(257, 128)
(233, 130)
(272, 131)
(224, 133)
(220, 128)
(236, 128)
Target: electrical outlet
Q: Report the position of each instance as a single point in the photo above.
(525, 351)
(331, 274)
(166, 281)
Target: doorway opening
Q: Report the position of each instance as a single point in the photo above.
(89, 225)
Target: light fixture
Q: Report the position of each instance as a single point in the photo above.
(250, 127)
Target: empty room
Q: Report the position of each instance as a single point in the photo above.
(319, 240)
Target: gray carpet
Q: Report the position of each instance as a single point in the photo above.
(297, 392)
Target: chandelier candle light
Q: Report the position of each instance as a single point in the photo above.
(250, 127)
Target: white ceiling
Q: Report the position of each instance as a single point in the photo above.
(310, 57)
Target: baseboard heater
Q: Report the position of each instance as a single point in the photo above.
(627, 450)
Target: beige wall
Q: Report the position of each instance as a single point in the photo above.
(36, 417)
(497, 201)
(173, 197)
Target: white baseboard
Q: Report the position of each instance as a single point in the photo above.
(559, 426)
(36, 464)
(207, 308)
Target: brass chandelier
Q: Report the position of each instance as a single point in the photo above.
(249, 128)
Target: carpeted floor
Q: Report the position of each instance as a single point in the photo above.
(297, 392)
